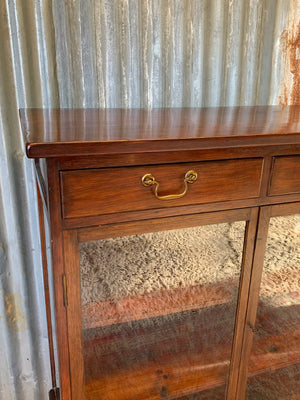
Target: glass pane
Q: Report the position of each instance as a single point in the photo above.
(274, 370)
(158, 312)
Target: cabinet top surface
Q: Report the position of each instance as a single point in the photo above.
(73, 132)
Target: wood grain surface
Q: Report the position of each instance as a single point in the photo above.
(285, 176)
(69, 132)
(248, 165)
(106, 191)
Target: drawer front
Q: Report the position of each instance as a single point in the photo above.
(285, 177)
(94, 192)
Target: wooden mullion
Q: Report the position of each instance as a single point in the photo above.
(256, 274)
(248, 251)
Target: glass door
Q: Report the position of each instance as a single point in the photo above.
(274, 367)
(158, 312)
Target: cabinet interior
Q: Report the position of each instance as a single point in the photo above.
(160, 307)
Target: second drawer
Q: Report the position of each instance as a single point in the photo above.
(285, 177)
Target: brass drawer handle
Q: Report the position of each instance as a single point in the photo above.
(149, 180)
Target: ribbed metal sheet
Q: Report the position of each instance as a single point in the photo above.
(121, 53)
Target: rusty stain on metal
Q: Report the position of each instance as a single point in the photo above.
(16, 319)
(294, 45)
(290, 46)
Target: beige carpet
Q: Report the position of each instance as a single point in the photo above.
(116, 268)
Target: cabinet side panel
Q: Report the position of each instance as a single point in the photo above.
(58, 271)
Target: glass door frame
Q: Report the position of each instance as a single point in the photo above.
(71, 280)
(265, 214)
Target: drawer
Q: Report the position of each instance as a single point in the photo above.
(285, 176)
(92, 192)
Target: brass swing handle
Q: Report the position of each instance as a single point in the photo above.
(149, 180)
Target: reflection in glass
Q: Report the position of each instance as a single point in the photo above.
(158, 313)
(274, 371)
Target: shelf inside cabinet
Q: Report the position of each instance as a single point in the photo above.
(168, 356)
(156, 303)
(277, 337)
(187, 354)
(283, 383)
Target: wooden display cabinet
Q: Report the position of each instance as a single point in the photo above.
(159, 223)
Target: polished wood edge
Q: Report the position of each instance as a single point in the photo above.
(105, 161)
(63, 149)
(168, 223)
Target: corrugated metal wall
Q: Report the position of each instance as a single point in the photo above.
(121, 53)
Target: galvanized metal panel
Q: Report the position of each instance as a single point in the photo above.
(115, 53)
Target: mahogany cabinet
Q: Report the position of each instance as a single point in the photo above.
(174, 251)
